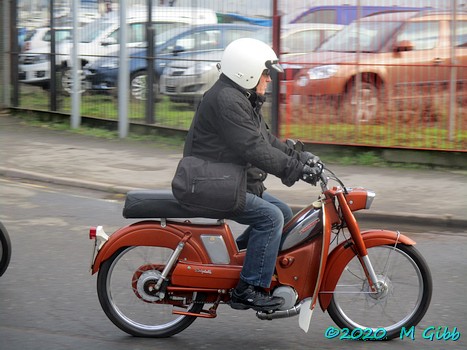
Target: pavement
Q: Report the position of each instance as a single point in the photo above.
(425, 197)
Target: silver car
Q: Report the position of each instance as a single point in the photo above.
(187, 79)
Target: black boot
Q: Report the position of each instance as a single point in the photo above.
(247, 296)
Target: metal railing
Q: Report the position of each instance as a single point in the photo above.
(431, 116)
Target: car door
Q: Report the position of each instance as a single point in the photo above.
(421, 61)
(461, 52)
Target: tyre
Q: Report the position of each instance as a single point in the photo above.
(125, 287)
(138, 86)
(362, 105)
(5, 249)
(403, 300)
(67, 81)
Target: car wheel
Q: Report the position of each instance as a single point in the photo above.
(361, 106)
(138, 86)
(67, 81)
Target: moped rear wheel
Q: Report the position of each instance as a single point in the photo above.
(402, 301)
(125, 289)
(5, 249)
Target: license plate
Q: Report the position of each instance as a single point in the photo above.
(170, 82)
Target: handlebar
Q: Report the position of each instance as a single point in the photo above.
(324, 178)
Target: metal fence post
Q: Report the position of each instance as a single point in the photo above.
(5, 57)
(123, 73)
(150, 67)
(453, 82)
(75, 67)
(276, 44)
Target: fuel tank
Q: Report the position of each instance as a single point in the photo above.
(306, 225)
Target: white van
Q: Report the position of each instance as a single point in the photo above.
(101, 37)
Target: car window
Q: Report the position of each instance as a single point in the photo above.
(366, 36)
(422, 35)
(320, 16)
(59, 35)
(29, 34)
(137, 31)
(91, 32)
(461, 33)
(167, 27)
(231, 35)
(205, 40)
(304, 41)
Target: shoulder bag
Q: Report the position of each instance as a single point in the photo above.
(202, 185)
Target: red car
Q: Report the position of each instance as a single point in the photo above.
(402, 54)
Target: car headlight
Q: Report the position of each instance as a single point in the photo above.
(315, 73)
(200, 68)
(322, 72)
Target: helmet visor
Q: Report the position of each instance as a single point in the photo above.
(274, 64)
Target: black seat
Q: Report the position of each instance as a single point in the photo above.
(145, 204)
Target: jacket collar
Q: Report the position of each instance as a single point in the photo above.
(255, 99)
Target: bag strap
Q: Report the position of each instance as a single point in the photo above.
(189, 136)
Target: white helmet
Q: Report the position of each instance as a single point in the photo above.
(244, 60)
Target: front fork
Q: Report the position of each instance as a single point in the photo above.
(360, 246)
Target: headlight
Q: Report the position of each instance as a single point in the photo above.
(370, 196)
(200, 68)
(322, 72)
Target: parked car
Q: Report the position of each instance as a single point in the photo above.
(394, 54)
(345, 14)
(34, 61)
(100, 38)
(39, 38)
(102, 74)
(186, 79)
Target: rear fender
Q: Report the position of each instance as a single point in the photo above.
(342, 254)
(149, 233)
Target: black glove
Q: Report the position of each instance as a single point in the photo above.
(312, 174)
(308, 158)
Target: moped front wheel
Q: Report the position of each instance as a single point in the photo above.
(5, 249)
(126, 290)
(403, 296)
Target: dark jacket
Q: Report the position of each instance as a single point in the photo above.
(228, 127)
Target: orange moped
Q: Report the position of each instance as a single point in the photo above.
(157, 275)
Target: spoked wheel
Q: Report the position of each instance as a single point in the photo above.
(363, 105)
(126, 290)
(67, 81)
(5, 249)
(139, 86)
(404, 294)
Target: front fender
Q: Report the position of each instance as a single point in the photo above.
(342, 254)
(148, 233)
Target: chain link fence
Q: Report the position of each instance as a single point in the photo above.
(392, 76)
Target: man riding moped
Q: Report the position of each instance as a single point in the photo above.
(229, 127)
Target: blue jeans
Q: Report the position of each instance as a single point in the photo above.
(266, 217)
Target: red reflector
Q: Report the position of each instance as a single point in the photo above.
(92, 233)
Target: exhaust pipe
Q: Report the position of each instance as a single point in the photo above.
(294, 311)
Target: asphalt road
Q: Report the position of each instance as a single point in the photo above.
(48, 297)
